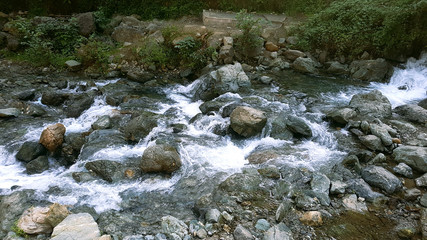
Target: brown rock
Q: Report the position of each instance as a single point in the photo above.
(247, 121)
(293, 54)
(312, 218)
(56, 214)
(53, 136)
(160, 158)
(261, 157)
(271, 47)
(34, 221)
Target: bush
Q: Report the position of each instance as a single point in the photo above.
(380, 27)
(250, 40)
(95, 53)
(153, 53)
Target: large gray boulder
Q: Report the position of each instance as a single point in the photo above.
(362, 189)
(415, 157)
(100, 139)
(293, 54)
(77, 104)
(110, 171)
(278, 232)
(130, 30)
(412, 112)
(381, 132)
(304, 65)
(381, 178)
(247, 121)
(378, 70)
(52, 98)
(372, 142)
(338, 68)
(37, 165)
(228, 78)
(298, 126)
(172, 226)
(160, 158)
(139, 127)
(342, 116)
(373, 104)
(76, 226)
(241, 233)
(30, 151)
(279, 129)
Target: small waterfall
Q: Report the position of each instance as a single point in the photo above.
(408, 84)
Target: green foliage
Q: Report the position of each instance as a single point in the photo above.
(154, 53)
(101, 19)
(193, 53)
(95, 53)
(382, 28)
(250, 38)
(17, 230)
(170, 33)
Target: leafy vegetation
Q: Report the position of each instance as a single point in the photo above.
(250, 39)
(95, 53)
(382, 28)
(17, 230)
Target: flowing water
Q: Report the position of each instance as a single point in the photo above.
(206, 156)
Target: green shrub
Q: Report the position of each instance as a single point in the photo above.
(154, 53)
(382, 28)
(17, 230)
(194, 53)
(95, 53)
(250, 39)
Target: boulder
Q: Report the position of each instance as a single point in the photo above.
(30, 151)
(266, 80)
(103, 122)
(298, 126)
(421, 181)
(80, 226)
(105, 169)
(403, 170)
(56, 214)
(262, 225)
(378, 70)
(261, 156)
(373, 104)
(37, 165)
(247, 121)
(342, 116)
(320, 185)
(241, 233)
(171, 225)
(26, 95)
(130, 30)
(9, 112)
(139, 127)
(212, 216)
(338, 68)
(226, 54)
(100, 139)
(351, 203)
(423, 222)
(53, 136)
(73, 65)
(381, 132)
(52, 98)
(381, 178)
(415, 157)
(304, 65)
(278, 232)
(86, 23)
(77, 104)
(228, 78)
(372, 142)
(412, 113)
(338, 187)
(160, 158)
(423, 103)
(293, 54)
(34, 221)
(362, 189)
(279, 128)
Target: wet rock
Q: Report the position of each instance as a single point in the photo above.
(241, 233)
(73, 65)
(211, 106)
(423, 103)
(421, 181)
(226, 54)
(139, 76)
(52, 98)
(53, 136)
(139, 127)
(77, 104)
(423, 221)
(342, 116)
(262, 225)
(130, 30)
(266, 79)
(86, 23)
(382, 133)
(34, 110)
(412, 113)
(229, 78)
(372, 142)
(26, 95)
(279, 128)
(362, 189)
(56, 214)
(304, 65)
(373, 104)
(100, 139)
(103, 122)
(160, 158)
(283, 209)
(34, 221)
(269, 172)
(293, 54)
(381, 178)
(247, 121)
(298, 126)
(171, 225)
(278, 232)
(320, 184)
(212, 216)
(378, 70)
(261, 156)
(105, 169)
(415, 157)
(380, 158)
(80, 226)
(30, 151)
(351, 203)
(307, 202)
(423, 200)
(9, 112)
(403, 170)
(312, 218)
(37, 165)
(73, 142)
